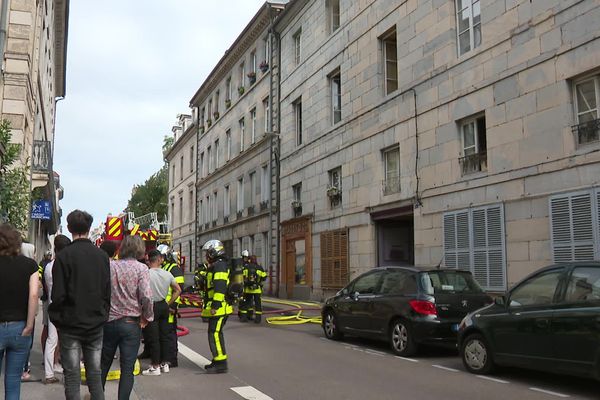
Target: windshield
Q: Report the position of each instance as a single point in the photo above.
(449, 282)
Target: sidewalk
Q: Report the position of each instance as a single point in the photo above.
(38, 391)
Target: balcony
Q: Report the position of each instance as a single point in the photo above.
(391, 185)
(473, 163)
(587, 132)
(41, 160)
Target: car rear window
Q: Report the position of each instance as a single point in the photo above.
(449, 282)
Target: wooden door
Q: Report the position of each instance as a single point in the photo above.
(290, 267)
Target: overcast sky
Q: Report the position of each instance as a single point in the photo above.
(132, 66)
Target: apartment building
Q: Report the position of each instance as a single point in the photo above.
(33, 42)
(459, 133)
(234, 145)
(181, 159)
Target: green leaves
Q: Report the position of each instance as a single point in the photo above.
(151, 196)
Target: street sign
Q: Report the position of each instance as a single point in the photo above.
(41, 209)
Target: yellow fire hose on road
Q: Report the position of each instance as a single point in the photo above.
(298, 308)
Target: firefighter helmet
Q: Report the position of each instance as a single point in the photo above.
(245, 253)
(214, 249)
(164, 249)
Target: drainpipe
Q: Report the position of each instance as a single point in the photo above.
(3, 30)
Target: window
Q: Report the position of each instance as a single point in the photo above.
(172, 212)
(191, 207)
(202, 165)
(226, 203)
(297, 199)
(192, 154)
(474, 140)
(208, 210)
(229, 89)
(334, 259)
(217, 96)
(535, 291)
(227, 145)
(267, 48)
(209, 116)
(253, 126)
(201, 213)
(181, 211)
(334, 191)
(333, 9)
(474, 241)
(468, 22)
(264, 197)
(242, 74)
(240, 194)
(181, 168)
(368, 284)
(390, 61)
(266, 114)
(202, 116)
(391, 166)
(173, 180)
(587, 94)
(298, 121)
(252, 186)
(336, 97)
(216, 153)
(575, 226)
(584, 285)
(399, 282)
(242, 133)
(297, 46)
(253, 60)
(209, 160)
(215, 211)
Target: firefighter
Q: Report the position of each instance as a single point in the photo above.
(254, 277)
(217, 307)
(169, 264)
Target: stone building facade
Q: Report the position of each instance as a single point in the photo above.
(181, 159)
(459, 133)
(33, 41)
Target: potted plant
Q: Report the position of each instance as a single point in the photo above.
(241, 90)
(216, 115)
(333, 192)
(264, 66)
(228, 103)
(296, 204)
(252, 77)
(202, 129)
(209, 122)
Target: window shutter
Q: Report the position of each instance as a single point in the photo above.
(572, 226)
(489, 266)
(456, 240)
(334, 259)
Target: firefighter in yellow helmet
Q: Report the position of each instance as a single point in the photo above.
(217, 307)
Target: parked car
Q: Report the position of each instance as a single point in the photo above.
(549, 321)
(406, 306)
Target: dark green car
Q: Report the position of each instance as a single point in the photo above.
(549, 321)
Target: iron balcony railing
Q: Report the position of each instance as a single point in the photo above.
(42, 156)
(391, 185)
(473, 163)
(587, 132)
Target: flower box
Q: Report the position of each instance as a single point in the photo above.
(228, 103)
(216, 115)
(264, 66)
(252, 77)
(208, 122)
(241, 90)
(333, 192)
(296, 204)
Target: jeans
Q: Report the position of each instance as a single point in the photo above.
(124, 333)
(156, 334)
(16, 349)
(71, 347)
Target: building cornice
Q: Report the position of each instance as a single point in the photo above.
(61, 34)
(178, 145)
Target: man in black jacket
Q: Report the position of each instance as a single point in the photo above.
(80, 305)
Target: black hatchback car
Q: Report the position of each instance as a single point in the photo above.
(549, 321)
(406, 306)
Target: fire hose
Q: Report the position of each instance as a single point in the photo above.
(298, 308)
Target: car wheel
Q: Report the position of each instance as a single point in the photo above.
(330, 326)
(401, 339)
(477, 355)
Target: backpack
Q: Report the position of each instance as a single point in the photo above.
(235, 289)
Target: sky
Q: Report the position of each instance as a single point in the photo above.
(132, 66)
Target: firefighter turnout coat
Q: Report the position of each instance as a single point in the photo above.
(217, 281)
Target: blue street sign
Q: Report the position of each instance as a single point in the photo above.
(40, 209)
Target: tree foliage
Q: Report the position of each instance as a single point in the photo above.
(151, 196)
(15, 196)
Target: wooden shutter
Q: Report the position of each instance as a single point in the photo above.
(572, 224)
(334, 259)
(489, 264)
(456, 240)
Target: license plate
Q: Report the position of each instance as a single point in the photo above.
(454, 328)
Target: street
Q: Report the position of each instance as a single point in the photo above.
(297, 362)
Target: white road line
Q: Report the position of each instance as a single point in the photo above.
(445, 368)
(250, 393)
(192, 355)
(375, 353)
(408, 359)
(381, 353)
(487, 378)
(549, 392)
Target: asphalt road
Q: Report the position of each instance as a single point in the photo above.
(297, 362)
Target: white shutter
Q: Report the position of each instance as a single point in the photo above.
(489, 262)
(450, 260)
(572, 225)
(456, 240)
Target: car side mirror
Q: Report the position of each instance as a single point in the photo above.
(500, 301)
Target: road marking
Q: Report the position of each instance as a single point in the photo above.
(445, 368)
(487, 378)
(192, 355)
(375, 353)
(549, 392)
(250, 393)
(407, 359)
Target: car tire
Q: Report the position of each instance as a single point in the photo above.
(476, 355)
(330, 326)
(402, 340)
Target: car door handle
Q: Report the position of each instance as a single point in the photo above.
(542, 323)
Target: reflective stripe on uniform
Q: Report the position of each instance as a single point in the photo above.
(219, 297)
(221, 356)
(221, 276)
